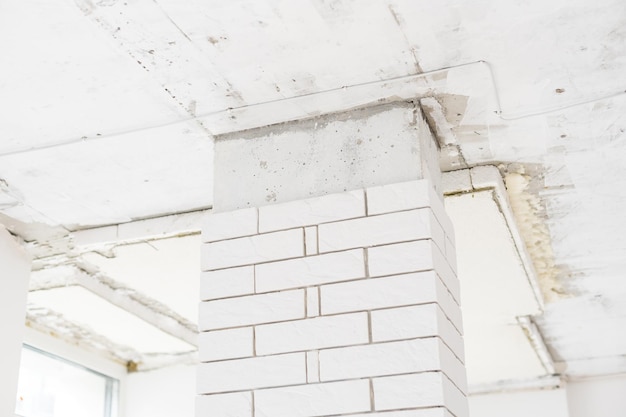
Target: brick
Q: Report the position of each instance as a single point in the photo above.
(312, 366)
(312, 302)
(447, 275)
(312, 270)
(416, 321)
(379, 230)
(253, 249)
(237, 404)
(421, 255)
(225, 344)
(314, 400)
(393, 291)
(245, 374)
(253, 309)
(227, 283)
(451, 255)
(456, 401)
(401, 258)
(380, 359)
(431, 389)
(316, 333)
(437, 231)
(310, 240)
(398, 197)
(453, 368)
(439, 210)
(408, 391)
(449, 306)
(407, 196)
(312, 211)
(231, 224)
(376, 293)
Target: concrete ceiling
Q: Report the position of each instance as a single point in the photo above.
(108, 109)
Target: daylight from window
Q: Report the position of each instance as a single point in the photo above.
(53, 387)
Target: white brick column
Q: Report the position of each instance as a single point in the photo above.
(345, 304)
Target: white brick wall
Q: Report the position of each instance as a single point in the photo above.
(314, 399)
(237, 404)
(416, 321)
(227, 282)
(385, 292)
(253, 309)
(226, 344)
(431, 389)
(378, 230)
(343, 304)
(312, 211)
(258, 372)
(420, 255)
(380, 359)
(231, 224)
(316, 333)
(311, 270)
(254, 249)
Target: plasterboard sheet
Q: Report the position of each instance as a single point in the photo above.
(494, 280)
(498, 352)
(85, 309)
(166, 270)
(494, 289)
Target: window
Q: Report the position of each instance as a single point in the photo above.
(50, 386)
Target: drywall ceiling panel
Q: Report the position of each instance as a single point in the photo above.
(166, 270)
(64, 78)
(81, 307)
(496, 352)
(289, 45)
(495, 290)
(544, 54)
(493, 278)
(114, 179)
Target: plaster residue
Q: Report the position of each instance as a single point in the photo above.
(530, 215)
(47, 321)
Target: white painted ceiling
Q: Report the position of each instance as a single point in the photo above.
(108, 108)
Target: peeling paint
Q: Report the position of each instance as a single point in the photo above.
(531, 219)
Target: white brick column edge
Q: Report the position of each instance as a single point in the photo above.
(345, 304)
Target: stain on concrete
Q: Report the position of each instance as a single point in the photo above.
(523, 189)
(454, 107)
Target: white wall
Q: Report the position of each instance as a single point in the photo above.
(537, 403)
(605, 397)
(14, 276)
(167, 392)
(593, 397)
